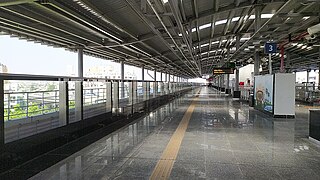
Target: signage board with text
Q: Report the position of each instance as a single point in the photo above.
(223, 70)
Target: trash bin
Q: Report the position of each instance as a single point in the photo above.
(251, 100)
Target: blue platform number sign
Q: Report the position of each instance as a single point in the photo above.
(270, 48)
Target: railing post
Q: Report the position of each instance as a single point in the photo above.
(2, 114)
(63, 103)
(79, 100)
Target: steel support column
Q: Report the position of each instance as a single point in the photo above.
(79, 88)
(257, 25)
(319, 72)
(236, 86)
(146, 90)
(80, 62)
(2, 136)
(109, 96)
(115, 97)
(155, 84)
(237, 79)
(63, 103)
(142, 71)
(132, 92)
(122, 78)
(78, 100)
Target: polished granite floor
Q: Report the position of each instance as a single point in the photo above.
(225, 139)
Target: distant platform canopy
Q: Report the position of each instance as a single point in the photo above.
(184, 37)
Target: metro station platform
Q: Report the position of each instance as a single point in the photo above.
(202, 135)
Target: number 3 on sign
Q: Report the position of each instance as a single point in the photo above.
(270, 48)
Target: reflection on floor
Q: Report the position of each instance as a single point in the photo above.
(225, 139)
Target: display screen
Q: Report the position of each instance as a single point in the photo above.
(223, 71)
(263, 93)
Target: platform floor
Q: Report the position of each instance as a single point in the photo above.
(204, 137)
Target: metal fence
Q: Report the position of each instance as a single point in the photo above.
(18, 105)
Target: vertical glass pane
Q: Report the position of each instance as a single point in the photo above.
(30, 107)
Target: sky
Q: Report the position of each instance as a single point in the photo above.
(26, 57)
(23, 57)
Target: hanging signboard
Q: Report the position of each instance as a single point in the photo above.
(270, 48)
(223, 70)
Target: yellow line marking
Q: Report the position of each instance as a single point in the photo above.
(164, 166)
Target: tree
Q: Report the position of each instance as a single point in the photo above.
(17, 112)
(33, 109)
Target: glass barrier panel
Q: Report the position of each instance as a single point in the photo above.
(30, 107)
(94, 98)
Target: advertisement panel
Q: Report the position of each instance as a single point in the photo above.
(263, 93)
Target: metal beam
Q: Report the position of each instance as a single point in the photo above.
(175, 9)
(215, 12)
(14, 2)
(132, 5)
(174, 42)
(262, 27)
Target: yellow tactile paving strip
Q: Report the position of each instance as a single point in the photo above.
(169, 155)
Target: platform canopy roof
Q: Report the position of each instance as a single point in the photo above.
(183, 37)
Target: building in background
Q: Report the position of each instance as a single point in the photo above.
(3, 68)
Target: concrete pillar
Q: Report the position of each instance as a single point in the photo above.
(257, 25)
(122, 78)
(308, 75)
